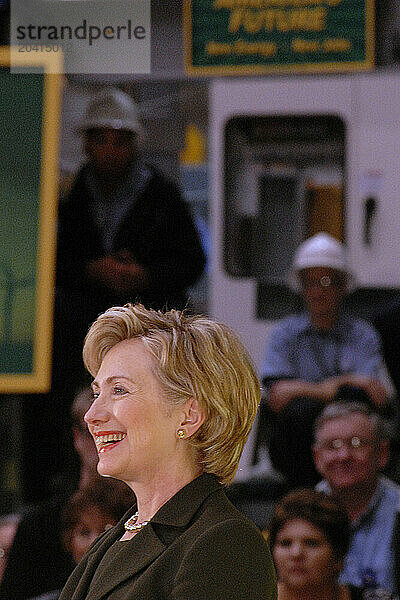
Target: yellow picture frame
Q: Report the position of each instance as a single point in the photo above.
(48, 66)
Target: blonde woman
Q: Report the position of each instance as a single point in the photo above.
(175, 397)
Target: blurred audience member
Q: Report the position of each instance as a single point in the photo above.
(350, 449)
(309, 536)
(8, 529)
(310, 355)
(92, 510)
(83, 442)
(88, 513)
(38, 560)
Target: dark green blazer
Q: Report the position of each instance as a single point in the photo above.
(197, 547)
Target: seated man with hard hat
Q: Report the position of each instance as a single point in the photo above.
(125, 233)
(311, 355)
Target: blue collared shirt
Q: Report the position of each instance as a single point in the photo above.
(371, 556)
(296, 350)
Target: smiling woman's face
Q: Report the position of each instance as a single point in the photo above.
(133, 426)
(303, 557)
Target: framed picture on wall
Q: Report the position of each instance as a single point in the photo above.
(30, 109)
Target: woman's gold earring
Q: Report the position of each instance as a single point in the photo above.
(180, 433)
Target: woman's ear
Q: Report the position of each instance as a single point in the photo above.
(193, 417)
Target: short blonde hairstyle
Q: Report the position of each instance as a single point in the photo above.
(193, 357)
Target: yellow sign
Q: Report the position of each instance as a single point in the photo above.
(30, 109)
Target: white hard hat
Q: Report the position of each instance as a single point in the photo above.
(320, 250)
(111, 108)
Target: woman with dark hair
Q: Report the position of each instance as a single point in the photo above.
(90, 511)
(309, 536)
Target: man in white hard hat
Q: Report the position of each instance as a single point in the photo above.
(125, 234)
(310, 356)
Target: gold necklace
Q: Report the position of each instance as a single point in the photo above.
(132, 525)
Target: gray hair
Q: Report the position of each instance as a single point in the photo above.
(337, 410)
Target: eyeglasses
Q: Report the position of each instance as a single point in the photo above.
(355, 444)
(323, 282)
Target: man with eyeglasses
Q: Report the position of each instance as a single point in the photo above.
(309, 356)
(350, 450)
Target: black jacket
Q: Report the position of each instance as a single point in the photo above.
(158, 230)
(197, 547)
